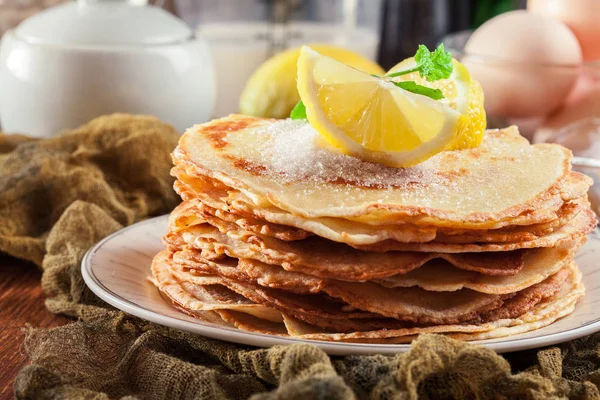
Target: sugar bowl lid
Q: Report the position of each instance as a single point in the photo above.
(103, 22)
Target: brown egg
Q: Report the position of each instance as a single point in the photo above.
(526, 63)
(580, 15)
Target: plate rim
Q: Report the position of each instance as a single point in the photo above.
(245, 337)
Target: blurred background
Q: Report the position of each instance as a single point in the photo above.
(539, 68)
(400, 25)
(386, 31)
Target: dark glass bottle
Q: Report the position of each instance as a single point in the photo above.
(408, 23)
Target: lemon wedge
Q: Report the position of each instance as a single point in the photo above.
(371, 118)
(462, 93)
(271, 90)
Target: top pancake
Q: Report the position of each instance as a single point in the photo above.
(282, 164)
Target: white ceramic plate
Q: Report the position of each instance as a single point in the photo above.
(116, 270)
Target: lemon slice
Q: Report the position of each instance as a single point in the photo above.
(462, 93)
(369, 117)
(271, 90)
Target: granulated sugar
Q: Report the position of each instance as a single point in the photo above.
(295, 151)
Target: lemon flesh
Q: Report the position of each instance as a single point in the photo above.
(371, 118)
(271, 90)
(462, 93)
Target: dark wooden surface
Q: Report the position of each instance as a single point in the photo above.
(21, 303)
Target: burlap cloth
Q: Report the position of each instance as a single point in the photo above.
(60, 196)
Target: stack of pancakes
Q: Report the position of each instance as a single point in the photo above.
(280, 233)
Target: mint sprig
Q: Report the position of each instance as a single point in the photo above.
(431, 66)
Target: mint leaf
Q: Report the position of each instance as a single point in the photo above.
(442, 66)
(435, 94)
(431, 66)
(434, 66)
(423, 57)
(299, 111)
(424, 62)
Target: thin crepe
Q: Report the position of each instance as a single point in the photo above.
(209, 194)
(558, 297)
(483, 187)
(406, 304)
(321, 258)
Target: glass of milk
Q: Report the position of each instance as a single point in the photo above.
(244, 33)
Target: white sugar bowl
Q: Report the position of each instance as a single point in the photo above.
(71, 63)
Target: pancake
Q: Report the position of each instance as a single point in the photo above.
(208, 298)
(191, 292)
(483, 187)
(195, 211)
(320, 258)
(292, 327)
(411, 305)
(565, 215)
(436, 276)
(322, 324)
(190, 213)
(336, 229)
(583, 224)
(218, 196)
(250, 323)
(281, 234)
(572, 187)
(406, 304)
(556, 306)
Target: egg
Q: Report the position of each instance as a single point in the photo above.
(526, 63)
(580, 15)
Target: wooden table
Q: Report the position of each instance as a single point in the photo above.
(21, 303)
